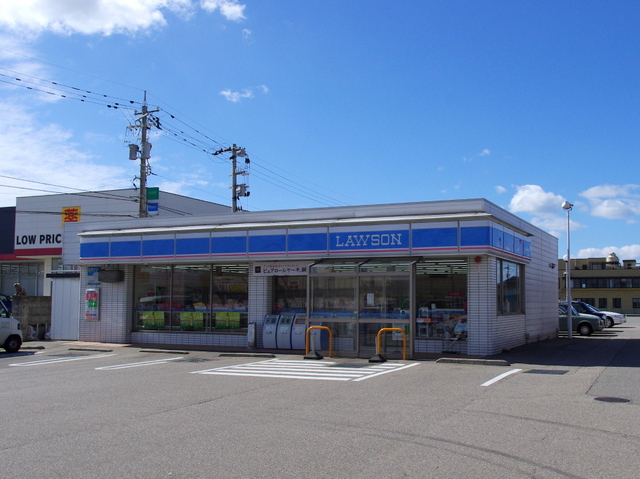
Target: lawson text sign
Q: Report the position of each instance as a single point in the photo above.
(369, 241)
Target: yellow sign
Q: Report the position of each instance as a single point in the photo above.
(71, 214)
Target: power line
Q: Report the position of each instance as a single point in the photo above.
(90, 194)
(69, 69)
(71, 93)
(197, 140)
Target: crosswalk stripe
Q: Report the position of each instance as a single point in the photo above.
(296, 369)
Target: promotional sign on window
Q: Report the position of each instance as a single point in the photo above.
(91, 297)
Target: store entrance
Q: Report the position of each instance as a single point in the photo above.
(390, 339)
(356, 299)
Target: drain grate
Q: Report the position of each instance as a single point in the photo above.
(547, 371)
(193, 360)
(67, 355)
(611, 399)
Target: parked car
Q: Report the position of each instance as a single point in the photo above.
(6, 301)
(583, 324)
(10, 333)
(610, 317)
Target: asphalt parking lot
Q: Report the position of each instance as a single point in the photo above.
(556, 409)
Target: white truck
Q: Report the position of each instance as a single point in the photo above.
(10, 332)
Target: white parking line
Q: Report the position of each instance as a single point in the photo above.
(42, 362)
(502, 376)
(135, 365)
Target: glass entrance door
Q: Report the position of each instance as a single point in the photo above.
(356, 300)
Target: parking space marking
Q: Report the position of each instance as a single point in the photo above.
(42, 362)
(501, 376)
(304, 369)
(138, 364)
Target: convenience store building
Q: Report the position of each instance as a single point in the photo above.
(462, 276)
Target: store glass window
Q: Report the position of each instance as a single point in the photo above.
(441, 297)
(333, 296)
(152, 299)
(190, 297)
(230, 288)
(602, 303)
(384, 296)
(509, 287)
(29, 275)
(290, 294)
(58, 265)
(617, 303)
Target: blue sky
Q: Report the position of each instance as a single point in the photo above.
(526, 104)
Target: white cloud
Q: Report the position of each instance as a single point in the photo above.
(236, 96)
(554, 225)
(545, 207)
(106, 17)
(617, 202)
(485, 152)
(534, 200)
(624, 252)
(49, 156)
(617, 209)
(500, 189)
(231, 9)
(609, 191)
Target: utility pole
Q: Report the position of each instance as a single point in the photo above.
(237, 190)
(145, 154)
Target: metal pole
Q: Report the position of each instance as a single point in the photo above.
(567, 206)
(234, 182)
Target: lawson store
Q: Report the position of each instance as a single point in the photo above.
(462, 276)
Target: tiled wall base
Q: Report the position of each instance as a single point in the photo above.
(226, 340)
(440, 346)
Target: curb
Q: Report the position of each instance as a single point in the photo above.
(165, 351)
(483, 362)
(246, 355)
(91, 349)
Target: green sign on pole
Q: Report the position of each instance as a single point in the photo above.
(153, 193)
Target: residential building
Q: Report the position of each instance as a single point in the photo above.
(606, 283)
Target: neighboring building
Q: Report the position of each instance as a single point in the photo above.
(461, 276)
(605, 283)
(32, 232)
(14, 269)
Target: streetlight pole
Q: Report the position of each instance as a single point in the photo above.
(567, 207)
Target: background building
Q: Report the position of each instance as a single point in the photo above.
(606, 283)
(31, 239)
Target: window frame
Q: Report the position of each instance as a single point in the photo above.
(503, 303)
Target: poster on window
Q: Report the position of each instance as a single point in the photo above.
(92, 304)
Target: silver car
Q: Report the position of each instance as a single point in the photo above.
(583, 324)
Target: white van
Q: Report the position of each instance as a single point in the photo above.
(10, 333)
